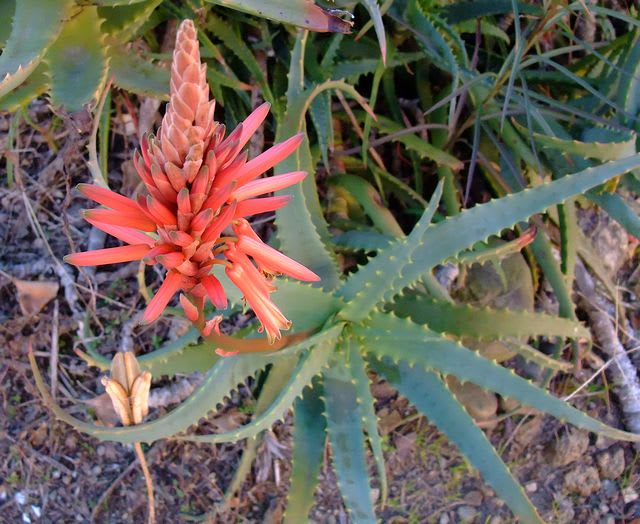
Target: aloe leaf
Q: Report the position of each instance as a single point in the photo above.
(461, 11)
(366, 405)
(123, 22)
(7, 10)
(135, 74)
(367, 276)
(77, 61)
(371, 202)
(114, 3)
(619, 210)
(348, 446)
(36, 84)
(216, 385)
(322, 119)
(309, 436)
(414, 143)
(382, 336)
(303, 13)
(276, 376)
(302, 230)
(30, 38)
(433, 398)
(376, 16)
(537, 357)
(619, 147)
(233, 41)
(484, 323)
(353, 69)
(308, 307)
(426, 246)
(310, 364)
(362, 240)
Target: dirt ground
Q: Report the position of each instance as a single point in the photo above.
(51, 473)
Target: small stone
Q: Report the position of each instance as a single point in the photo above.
(474, 498)
(100, 451)
(570, 447)
(480, 404)
(495, 520)
(20, 498)
(466, 513)
(583, 480)
(609, 488)
(607, 519)
(531, 487)
(565, 512)
(444, 519)
(604, 508)
(26, 518)
(96, 470)
(37, 512)
(629, 494)
(603, 442)
(611, 464)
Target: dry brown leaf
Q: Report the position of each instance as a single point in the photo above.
(34, 295)
(104, 410)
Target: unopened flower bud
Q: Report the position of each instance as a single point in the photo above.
(128, 388)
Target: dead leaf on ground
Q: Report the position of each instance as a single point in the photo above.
(34, 295)
(104, 410)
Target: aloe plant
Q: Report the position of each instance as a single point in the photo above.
(349, 326)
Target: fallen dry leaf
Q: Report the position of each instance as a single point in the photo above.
(34, 295)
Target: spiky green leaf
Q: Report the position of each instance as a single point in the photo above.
(36, 25)
(431, 396)
(135, 74)
(77, 61)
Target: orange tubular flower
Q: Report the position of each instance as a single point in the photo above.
(198, 184)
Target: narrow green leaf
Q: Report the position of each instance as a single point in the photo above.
(484, 323)
(303, 13)
(309, 435)
(619, 210)
(366, 405)
(123, 22)
(309, 365)
(419, 346)
(427, 246)
(30, 38)
(35, 85)
(376, 16)
(348, 446)
(77, 61)
(135, 74)
(431, 396)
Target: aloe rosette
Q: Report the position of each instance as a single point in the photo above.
(199, 183)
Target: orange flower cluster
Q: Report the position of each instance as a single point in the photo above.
(199, 183)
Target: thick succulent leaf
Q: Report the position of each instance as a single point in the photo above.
(35, 85)
(182, 355)
(619, 210)
(367, 412)
(618, 146)
(7, 10)
(309, 435)
(310, 364)
(122, 22)
(400, 339)
(134, 73)
(353, 69)
(303, 13)
(216, 385)
(302, 230)
(114, 3)
(276, 376)
(30, 38)
(432, 397)
(427, 245)
(77, 61)
(387, 260)
(629, 87)
(371, 203)
(414, 143)
(306, 306)
(482, 322)
(348, 445)
(460, 11)
(366, 240)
